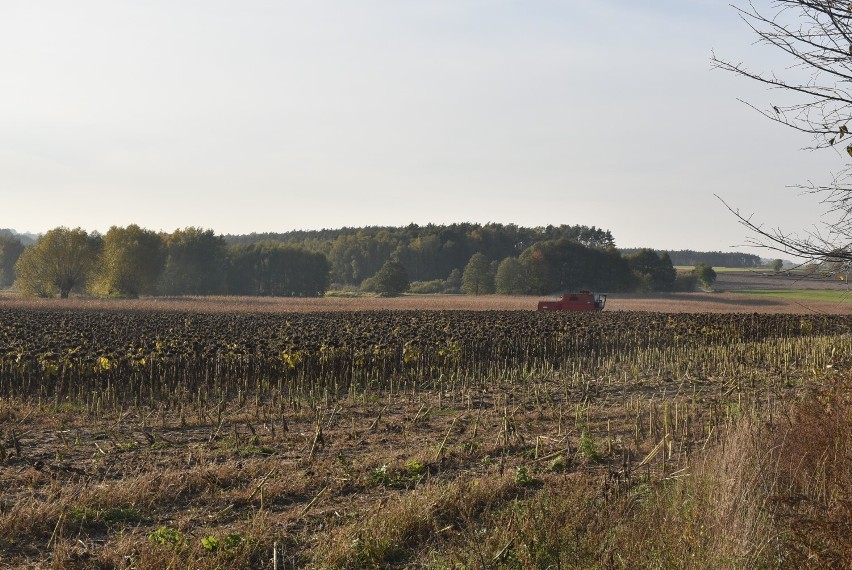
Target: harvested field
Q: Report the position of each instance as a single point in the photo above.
(736, 280)
(420, 439)
(720, 302)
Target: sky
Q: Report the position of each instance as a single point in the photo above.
(268, 116)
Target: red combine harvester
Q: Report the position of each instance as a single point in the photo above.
(582, 301)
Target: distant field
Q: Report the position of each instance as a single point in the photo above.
(782, 281)
(720, 302)
(825, 296)
(144, 437)
(727, 269)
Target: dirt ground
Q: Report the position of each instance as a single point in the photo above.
(83, 489)
(145, 487)
(721, 301)
(734, 280)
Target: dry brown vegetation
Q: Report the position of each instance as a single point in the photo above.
(688, 454)
(659, 302)
(510, 477)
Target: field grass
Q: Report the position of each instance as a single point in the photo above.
(813, 295)
(727, 269)
(717, 448)
(655, 302)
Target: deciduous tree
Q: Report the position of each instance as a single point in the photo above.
(654, 271)
(276, 269)
(477, 278)
(195, 263)
(10, 250)
(510, 278)
(60, 261)
(131, 262)
(392, 278)
(705, 274)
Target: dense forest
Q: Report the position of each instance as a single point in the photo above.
(712, 258)
(458, 258)
(427, 252)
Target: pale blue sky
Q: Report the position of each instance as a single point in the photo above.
(269, 116)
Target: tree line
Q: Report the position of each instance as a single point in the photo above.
(460, 258)
(428, 252)
(688, 257)
(132, 261)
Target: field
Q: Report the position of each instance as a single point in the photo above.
(807, 295)
(246, 433)
(685, 268)
(727, 299)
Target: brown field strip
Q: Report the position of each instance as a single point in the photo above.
(659, 302)
(248, 433)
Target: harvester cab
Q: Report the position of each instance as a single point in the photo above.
(582, 301)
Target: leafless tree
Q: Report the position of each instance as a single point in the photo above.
(816, 85)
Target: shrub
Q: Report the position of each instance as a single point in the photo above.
(427, 287)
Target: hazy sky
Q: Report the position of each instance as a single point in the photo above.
(277, 115)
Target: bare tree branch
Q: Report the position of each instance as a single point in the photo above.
(816, 36)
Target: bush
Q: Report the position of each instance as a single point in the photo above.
(686, 282)
(392, 279)
(427, 287)
(705, 274)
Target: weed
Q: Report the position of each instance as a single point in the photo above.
(113, 516)
(404, 477)
(232, 541)
(166, 536)
(523, 477)
(586, 446)
(558, 464)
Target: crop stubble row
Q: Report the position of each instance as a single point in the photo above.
(141, 357)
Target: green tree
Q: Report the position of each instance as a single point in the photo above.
(566, 265)
(277, 270)
(392, 278)
(776, 265)
(453, 282)
(131, 262)
(195, 263)
(10, 250)
(705, 275)
(477, 278)
(537, 260)
(60, 261)
(654, 272)
(357, 256)
(510, 278)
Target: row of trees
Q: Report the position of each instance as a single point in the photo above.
(428, 252)
(689, 257)
(134, 261)
(10, 250)
(560, 265)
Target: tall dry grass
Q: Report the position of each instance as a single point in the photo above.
(771, 495)
(657, 302)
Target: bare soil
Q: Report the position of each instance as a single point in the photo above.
(734, 280)
(721, 301)
(83, 490)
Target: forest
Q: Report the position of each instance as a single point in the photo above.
(458, 258)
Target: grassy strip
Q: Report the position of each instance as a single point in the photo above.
(727, 269)
(771, 496)
(801, 294)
